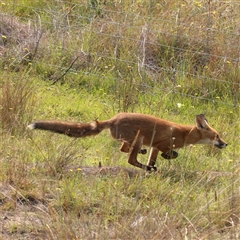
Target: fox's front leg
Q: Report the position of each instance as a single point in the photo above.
(154, 153)
(170, 155)
(153, 156)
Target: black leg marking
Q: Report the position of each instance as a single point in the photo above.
(153, 162)
(171, 155)
(151, 168)
(143, 151)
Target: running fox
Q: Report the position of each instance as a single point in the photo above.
(135, 130)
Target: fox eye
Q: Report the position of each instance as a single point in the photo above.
(217, 136)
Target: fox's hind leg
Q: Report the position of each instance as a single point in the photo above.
(153, 156)
(136, 148)
(126, 147)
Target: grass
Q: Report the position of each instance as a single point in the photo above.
(169, 60)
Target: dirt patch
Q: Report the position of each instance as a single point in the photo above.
(21, 217)
(111, 171)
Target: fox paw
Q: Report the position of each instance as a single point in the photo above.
(171, 155)
(151, 168)
(143, 151)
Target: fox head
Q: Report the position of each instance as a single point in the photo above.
(208, 134)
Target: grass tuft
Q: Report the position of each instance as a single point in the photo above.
(16, 102)
(84, 61)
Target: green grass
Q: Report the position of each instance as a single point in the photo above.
(46, 193)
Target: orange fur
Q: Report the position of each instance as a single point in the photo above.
(135, 130)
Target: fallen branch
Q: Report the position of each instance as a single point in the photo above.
(66, 71)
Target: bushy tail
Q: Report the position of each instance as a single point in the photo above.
(71, 129)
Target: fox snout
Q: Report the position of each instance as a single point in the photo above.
(219, 142)
(220, 145)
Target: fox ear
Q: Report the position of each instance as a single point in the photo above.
(202, 122)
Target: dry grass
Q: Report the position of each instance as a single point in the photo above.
(19, 41)
(16, 100)
(144, 57)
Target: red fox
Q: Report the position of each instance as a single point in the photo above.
(135, 130)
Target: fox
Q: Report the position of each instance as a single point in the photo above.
(135, 130)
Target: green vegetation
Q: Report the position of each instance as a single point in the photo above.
(78, 62)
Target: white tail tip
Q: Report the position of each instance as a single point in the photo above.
(31, 126)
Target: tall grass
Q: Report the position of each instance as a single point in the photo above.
(17, 102)
(171, 59)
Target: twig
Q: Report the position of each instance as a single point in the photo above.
(37, 45)
(66, 71)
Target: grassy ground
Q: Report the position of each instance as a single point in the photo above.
(81, 62)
